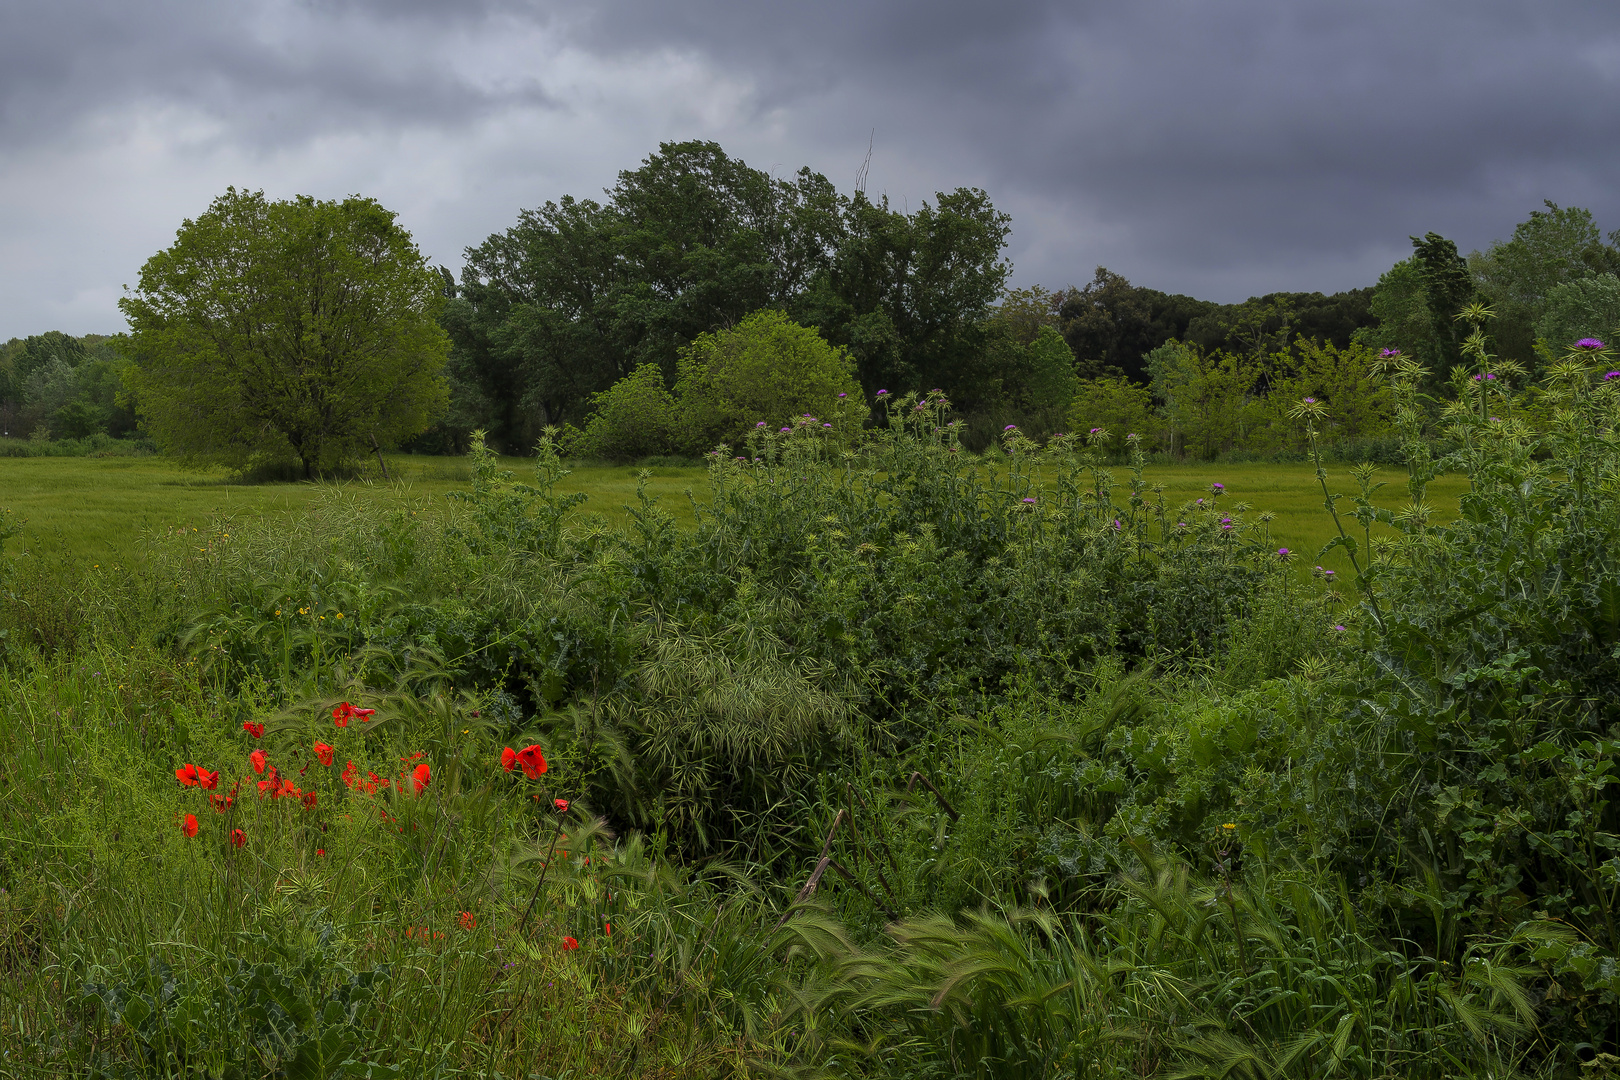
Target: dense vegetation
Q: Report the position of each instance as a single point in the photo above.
(932, 742)
(900, 762)
(586, 314)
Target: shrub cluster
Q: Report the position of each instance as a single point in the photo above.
(898, 763)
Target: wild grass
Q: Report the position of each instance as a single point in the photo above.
(96, 510)
(907, 765)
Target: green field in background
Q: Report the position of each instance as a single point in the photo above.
(98, 509)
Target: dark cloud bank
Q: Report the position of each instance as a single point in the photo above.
(1219, 149)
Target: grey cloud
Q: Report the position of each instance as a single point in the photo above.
(275, 73)
(1213, 148)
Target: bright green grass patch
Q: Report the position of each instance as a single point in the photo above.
(99, 509)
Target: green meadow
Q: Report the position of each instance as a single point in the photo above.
(101, 509)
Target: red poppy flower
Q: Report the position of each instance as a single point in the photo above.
(607, 928)
(561, 805)
(508, 758)
(208, 780)
(341, 714)
(238, 838)
(309, 800)
(187, 775)
(467, 921)
(569, 944)
(373, 781)
(414, 757)
(420, 777)
(258, 759)
(363, 714)
(324, 753)
(255, 730)
(189, 825)
(533, 761)
(222, 803)
(320, 851)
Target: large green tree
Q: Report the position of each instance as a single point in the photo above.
(295, 330)
(908, 294)
(1551, 247)
(580, 293)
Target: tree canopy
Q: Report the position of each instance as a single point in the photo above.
(300, 329)
(580, 293)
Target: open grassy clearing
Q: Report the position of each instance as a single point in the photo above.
(99, 508)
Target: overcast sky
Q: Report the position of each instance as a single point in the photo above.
(1222, 149)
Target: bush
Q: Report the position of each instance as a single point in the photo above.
(633, 418)
(767, 369)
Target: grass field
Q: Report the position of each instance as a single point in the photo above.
(98, 509)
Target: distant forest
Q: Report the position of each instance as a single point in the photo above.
(577, 295)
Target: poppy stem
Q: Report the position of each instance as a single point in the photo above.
(541, 880)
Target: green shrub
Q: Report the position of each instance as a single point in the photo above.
(633, 418)
(766, 370)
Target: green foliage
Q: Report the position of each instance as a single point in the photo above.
(1551, 247)
(302, 1016)
(300, 330)
(1114, 405)
(1584, 308)
(898, 762)
(634, 418)
(1400, 303)
(767, 369)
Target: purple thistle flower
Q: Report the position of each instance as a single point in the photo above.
(1009, 427)
(1200, 502)
(1310, 401)
(1611, 376)
(1217, 487)
(1338, 626)
(880, 393)
(1328, 574)
(1490, 376)
(1589, 343)
(826, 425)
(1283, 552)
(760, 424)
(1116, 525)
(787, 429)
(1388, 354)
(1095, 430)
(843, 395)
(1029, 500)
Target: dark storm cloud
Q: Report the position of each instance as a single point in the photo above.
(1221, 149)
(1220, 146)
(276, 72)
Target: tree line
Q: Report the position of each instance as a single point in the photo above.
(339, 339)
